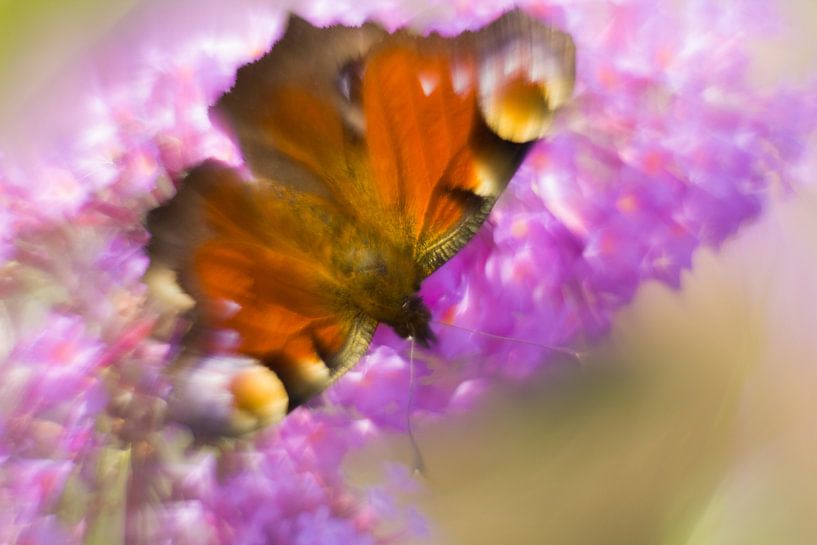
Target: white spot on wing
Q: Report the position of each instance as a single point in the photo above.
(461, 80)
(429, 82)
(486, 180)
(513, 64)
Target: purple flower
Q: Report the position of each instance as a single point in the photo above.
(666, 147)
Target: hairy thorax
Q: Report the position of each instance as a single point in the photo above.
(382, 280)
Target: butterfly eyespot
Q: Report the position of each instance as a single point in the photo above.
(519, 110)
(304, 377)
(259, 392)
(350, 80)
(225, 395)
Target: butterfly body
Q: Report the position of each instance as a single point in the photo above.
(373, 158)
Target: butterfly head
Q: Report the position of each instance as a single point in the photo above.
(413, 321)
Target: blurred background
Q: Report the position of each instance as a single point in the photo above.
(693, 423)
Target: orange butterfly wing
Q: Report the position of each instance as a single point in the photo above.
(416, 126)
(364, 145)
(450, 120)
(255, 259)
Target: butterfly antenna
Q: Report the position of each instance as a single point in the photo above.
(417, 456)
(572, 354)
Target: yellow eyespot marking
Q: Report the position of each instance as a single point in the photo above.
(259, 391)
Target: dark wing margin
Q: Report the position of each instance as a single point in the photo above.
(296, 112)
(357, 343)
(494, 163)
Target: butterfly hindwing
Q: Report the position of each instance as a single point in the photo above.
(252, 270)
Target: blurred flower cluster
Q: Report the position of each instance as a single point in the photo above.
(666, 147)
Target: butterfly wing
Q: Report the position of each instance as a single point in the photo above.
(426, 131)
(251, 255)
(450, 120)
(355, 138)
(296, 112)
